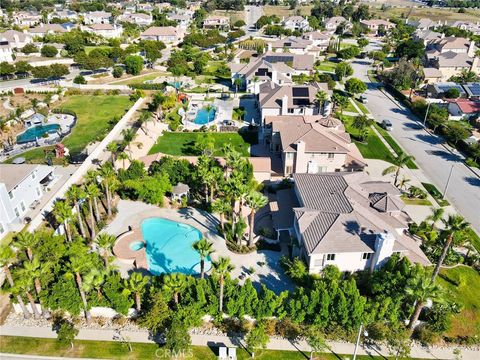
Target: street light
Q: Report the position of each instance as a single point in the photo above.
(426, 114)
(365, 333)
(448, 181)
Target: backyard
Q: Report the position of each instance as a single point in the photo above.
(183, 144)
(95, 115)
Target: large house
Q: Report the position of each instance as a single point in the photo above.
(140, 19)
(106, 30)
(11, 40)
(332, 23)
(63, 14)
(463, 109)
(166, 34)
(26, 18)
(46, 29)
(346, 220)
(216, 22)
(97, 17)
(311, 144)
(20, 187)
(296, 23)
(294, 45)
(374, 25)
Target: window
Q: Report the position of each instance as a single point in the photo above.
(331, 155)
(366, 256)
(2, 229)
(289, 169)
(10, 194)
(22, 206)
(289, 155)
(318, 262)
(39, 192)
(330, 257)
(17, 213)
(290, 110)
(34, 175)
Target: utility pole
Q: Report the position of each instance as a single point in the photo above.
(358, 342)
(426, 114)
(448, 181)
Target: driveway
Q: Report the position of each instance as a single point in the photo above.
(432, 157)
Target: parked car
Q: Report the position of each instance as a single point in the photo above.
(387, 125)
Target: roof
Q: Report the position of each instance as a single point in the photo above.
(160, 31)
(295, 19)
(46, 28)
(282, 209)
(377, 22)
(453, 59)
(101, 27)
(99, 14)
(298, 61)
(441, 87)
(297, 96)
(430, 72)
(337, 215)
(472, 89)
(10, 35)
(12, 175)
(292, 42)
(452, 42)
(180, 188)
(467, 106)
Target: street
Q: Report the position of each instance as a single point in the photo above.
(252, 14)
(430, 154)
(7, 85)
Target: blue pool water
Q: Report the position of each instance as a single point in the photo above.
(36, 132)
(169, 247)
(176, 84)
(137, 245)
(204, 117)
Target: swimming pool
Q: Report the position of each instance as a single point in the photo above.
(204, 116)
(36, 132)
(169, 247)
(176, 84)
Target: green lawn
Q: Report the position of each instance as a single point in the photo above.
(408, 201)
(326, 66)
(178, 143)
(432, 190)
(141, 79)
(474, 238)
(115, 350)
(88, 49)
(350, 108)
(462, 285)
(362, 107)
(411, 164)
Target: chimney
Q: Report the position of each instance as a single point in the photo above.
(284, 105)
(475, 65)
(471, 49)
(384, 243)
(269, 47)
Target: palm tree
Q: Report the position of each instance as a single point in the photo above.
(144, 118)
(64, 215)
(402, 184)
(136, 284)
(398, 163)
(33, 270)
(94, 193)
(112, 147)
(222, 268)
(237, 82)
(77, 265)
(26, 240)
(91, 192)
(175, 283)
(108, 174)
(74, 195)
(421, 288)
(105, 242)
(321, 97)
(221, 206)
(436, 215)
(7, 257)
(24, 285)
(453, 225)
(204, 249)
(123, 156)
(94, 280)
(128, 136)
(255, 200)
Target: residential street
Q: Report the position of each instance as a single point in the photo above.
(430, 154)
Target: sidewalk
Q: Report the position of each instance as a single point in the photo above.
(274, 344)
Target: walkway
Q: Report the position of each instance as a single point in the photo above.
(417, 351)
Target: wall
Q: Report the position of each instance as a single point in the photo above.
(344, 261)
(96, 311)
(87, 164)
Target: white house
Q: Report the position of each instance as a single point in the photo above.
(347, 220)
(216, 22)
(20, 187)
(296, 23)
(166, 34)
(63, 14)
(26, 18)
(332, 23)
(374, 25)
(97, 17)
(107, 31)
(140, 19)
(11, 40)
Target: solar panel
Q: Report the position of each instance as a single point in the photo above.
(300, 92)
(474, 88)
(301, 101)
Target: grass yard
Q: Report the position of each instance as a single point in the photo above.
(410, 164)
(350, 108)
(434, 14)
(140, 79)
(474, 238)
(432, 190)
(362, 107)
(183, 144)
(462, 284)
(285, 11)
(116, 350)
(326, 66)
(88, 49)
(422, 202)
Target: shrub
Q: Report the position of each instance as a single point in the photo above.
(79, 79)
(117, 72)
(49, 51)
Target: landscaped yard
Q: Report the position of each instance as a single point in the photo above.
(414, 201)
(183, 144)
(140, 79)
(410, 164)
(462, 285)
(327, 66)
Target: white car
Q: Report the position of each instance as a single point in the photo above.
(387, 125)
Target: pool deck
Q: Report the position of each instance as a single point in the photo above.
(266, 263)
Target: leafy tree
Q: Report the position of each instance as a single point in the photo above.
(79, 79)
(29, 49)
(239, 23)
(152, 50)
(177, 338)
(49, 51)
(402, 76)
(136, 284)
(117, 72)
(66, 332)
(255, 201)
(59, 70)
(41, 72)
(355, 86)
(348, 53)
(452, 93)
(256, 338)
(361, 123)
(342, 70)
(340, 101)
(22, 67)
(222, 268)
(204, 249)
(316, 341)
(155, 318)
(26, 241)
(398, 163)
(174, 284)
(64, 215)
(150, 189)
(362, 42)
(410, 49)
(133, 64)
(456, 131)
(75, 194)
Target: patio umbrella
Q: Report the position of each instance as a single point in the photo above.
(19, 160)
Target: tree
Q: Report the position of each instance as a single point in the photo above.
(92, 192)
(255, 201)
(221, 206)
(29, 49)
(456, 131)
(133, 64)
(78, 263)
(128, 136)
(174, 283)
(355, 86)
(79, 79)
(155, 318)
(398, 163)
(105, 242)
(257, 338)
(66, 332)
(123, 156)
(75, 194)
(410, 49)
(204, 249)
(152, 50)
(59, 70)
(321, 97)
(32, 270)
(23, 285)
(340, 101)
(421, 288)
(117, 72)
(362, 122)
(177, 338)
(342, 70)
(64, 215)
(136, 284)
(237, 82)
(49, 51)
(398, 342)
(452, 93)
(362, 42)
(239, 23)
(41, 72)
(26, 240)
(222, 268)
(108, 177)
(453, 224)
(436, 215)
(403, 74)
(316, 341)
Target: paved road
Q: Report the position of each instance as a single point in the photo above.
(430, 155)
(26, 82)
(252, 14)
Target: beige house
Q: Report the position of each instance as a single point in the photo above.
(216, 22)
(376, 24)
(166, 34)
(311, 144)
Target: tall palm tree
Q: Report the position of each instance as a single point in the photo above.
(222, 268)
(128, 136)
(79, 264)
(420, 289)
(94, 280)
(93, 191)
(75, 194)
(221, 206)
(112, 147)
(402, 184)
(144, 118)
(136, 284)
(436, 215)
(64, 215)
(105, 242)
(108, 175)
(398, 163)
(26, 240)
(453, 225)
(255, 200)
(7, 257)
(123, 156)
(175, 283)
(33, 270)
(237, 82)
(321, 97)
(204, 249)
(23, 285)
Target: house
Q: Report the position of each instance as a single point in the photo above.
(320, 39)
(454, 44)
(373, 26)
(346, 220)
(11, 40)
(427, 36)
(296, 23)
(106, 30)
(431, 75)
(437, 90)
(472, 90)
(183, 20)
(311, 144)
(468, 26)
(332, 23)
(287, 100)
(146, 7)
(26, 18)
(6, 52)
(63, 14)
(422, 24)
(216, 22)
(463, 109)
(166, 34)
(45, 29)
(294, 45)
(97, 17)
(20, 187)
(140, 19)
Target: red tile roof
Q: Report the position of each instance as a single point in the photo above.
(468, 106)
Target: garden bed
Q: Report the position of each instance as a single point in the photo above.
(415, 201)
(432, 190)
